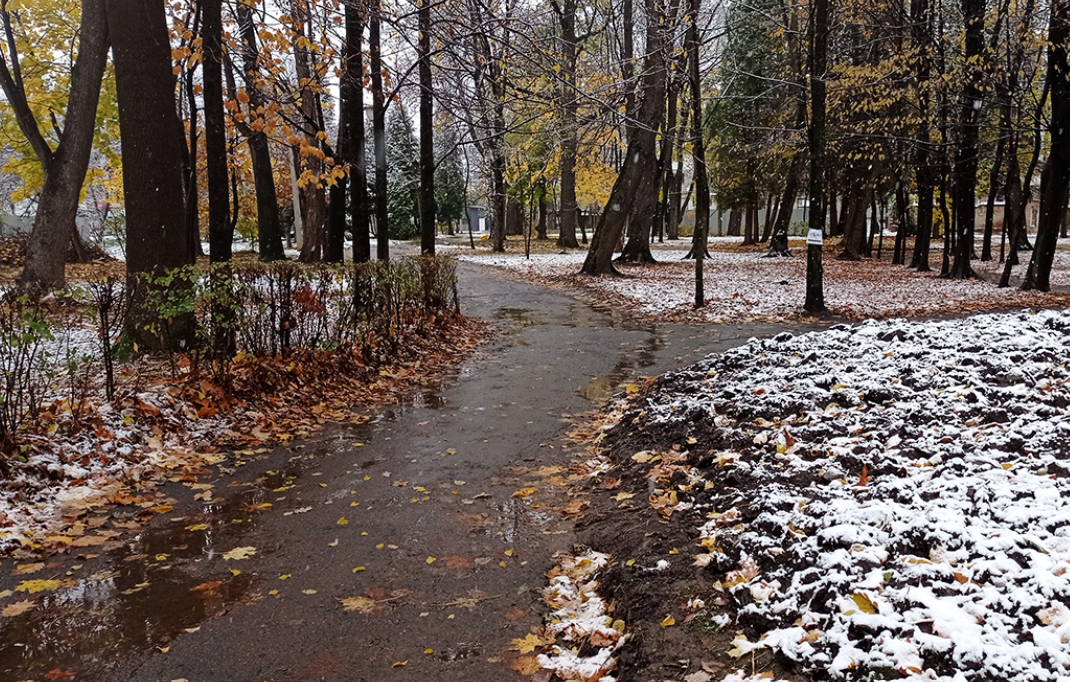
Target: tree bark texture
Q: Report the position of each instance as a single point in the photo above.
(220, 238)
(819, 29)
(152, 182)
(965, 168)
(313, 196)
(634, 194)
(65, 168)
(1056, 185)
(698, 152)
(353, 151)
(375, 59)
(269, 224)
(427, 139)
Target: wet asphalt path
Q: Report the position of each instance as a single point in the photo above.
(412, 514)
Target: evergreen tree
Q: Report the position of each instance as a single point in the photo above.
(449, 179)
(402, 175)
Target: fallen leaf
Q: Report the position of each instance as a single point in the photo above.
(33, 586)
(527, 665)
(359, 604)
(26, 569)
(741, 646)
(525, 492)
(575, 507)
(343, 521)
(431, 559)
(400, 664)
(308, 592)
(530, 643)
(240, 553)
(197, 526)
(668, 621)
(863, 603)
(19, 607)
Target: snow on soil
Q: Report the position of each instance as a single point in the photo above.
(900, 492)
(580, 619)
(743, 285)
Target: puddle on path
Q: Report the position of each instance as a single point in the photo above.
(601, 389)
(139, 595)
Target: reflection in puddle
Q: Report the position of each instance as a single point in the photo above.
(601, 389)
(138, 595)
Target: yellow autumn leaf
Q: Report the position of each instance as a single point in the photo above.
(863, 602)
(197, 526)
(358, 604)
(530, 643)
(525, 492)
(668, 621)
(33, 586)
(431, 559)
(343, 521)
(239, 553)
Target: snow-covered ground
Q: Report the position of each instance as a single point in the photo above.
(743, 285)
(890, 499)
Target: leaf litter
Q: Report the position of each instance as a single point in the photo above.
(898, 498)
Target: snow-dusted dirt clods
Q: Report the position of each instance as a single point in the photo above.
(883, 500)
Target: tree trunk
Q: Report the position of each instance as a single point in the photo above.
(189, 153)
(965, 169)
(853, 219)
(382, 227)
(313, 195)
(698, 150)
(990, 205)
(734, 220)
(1056, 185)
(567, 104)
(65, 168)
(152, 181)
(767, 224)
(269, 224)
(778, 242)
(427, 138)
(819, 29)
(540, 228)
(834, 216)
(220, 239)
(351, 93)
(750, 226)
(899, 254)
(921, 20)
(633, 196)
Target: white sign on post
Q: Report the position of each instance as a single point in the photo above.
(815, 237)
